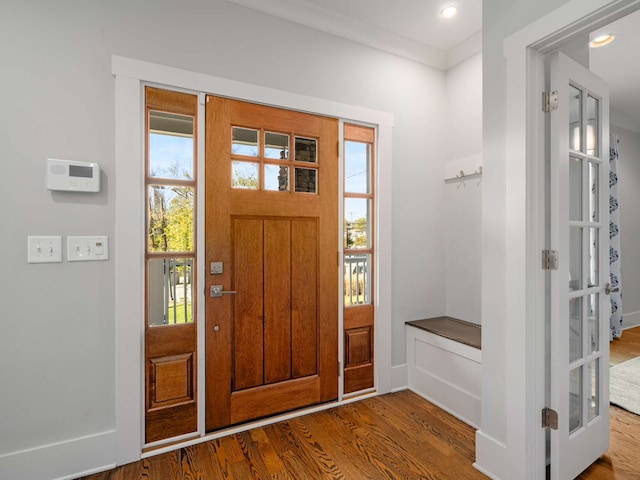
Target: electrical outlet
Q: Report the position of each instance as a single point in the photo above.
(44, 249)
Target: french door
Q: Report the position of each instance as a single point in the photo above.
(579, 227)
(271, 255)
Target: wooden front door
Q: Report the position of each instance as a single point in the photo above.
(271, 241)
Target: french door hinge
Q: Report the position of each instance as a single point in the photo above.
(339, 369)
(549, 418)
(549, 260)
(550, 101)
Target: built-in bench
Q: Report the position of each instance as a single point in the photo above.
(445, 365)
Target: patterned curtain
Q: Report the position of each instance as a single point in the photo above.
(615, 321)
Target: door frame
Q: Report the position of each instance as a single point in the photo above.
(130, 78)
(525, 53)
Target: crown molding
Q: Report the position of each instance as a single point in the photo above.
(324, 20)
(464, 50)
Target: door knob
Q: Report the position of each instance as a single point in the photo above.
(608, 290)
(216, 291)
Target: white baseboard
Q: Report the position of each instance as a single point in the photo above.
(630, 320)
(490, 456)
(399, 378)
(62, 461)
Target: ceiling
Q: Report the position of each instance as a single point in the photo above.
(410, 28)
(414, 29)
(619, 65)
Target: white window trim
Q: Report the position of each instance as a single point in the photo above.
(130, 76)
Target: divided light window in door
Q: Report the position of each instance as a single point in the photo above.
(170, 264)
(359, 201)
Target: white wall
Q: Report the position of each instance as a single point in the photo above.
(57, 348)
(463, 199)
(629, 195)
(500, 447)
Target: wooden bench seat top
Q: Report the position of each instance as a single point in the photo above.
(451, 328)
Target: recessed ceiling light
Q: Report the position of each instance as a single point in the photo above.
(449, 12)
(601, 41)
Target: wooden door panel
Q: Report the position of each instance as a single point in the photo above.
(276, 398)
(248, 304)
(251, 115)
(304, 338)
(358, 349)
(277, 300)
(171, 382)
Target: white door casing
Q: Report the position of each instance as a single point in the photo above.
(130, 77)
(580, 309)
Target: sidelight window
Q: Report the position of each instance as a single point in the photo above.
(170, 216)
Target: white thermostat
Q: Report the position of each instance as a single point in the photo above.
(73, 176)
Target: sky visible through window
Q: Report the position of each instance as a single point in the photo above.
(171, 156)
(356, 176)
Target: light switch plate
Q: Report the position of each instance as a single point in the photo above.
(87, 248)
(46, 249)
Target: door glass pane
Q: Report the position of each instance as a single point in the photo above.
(575, 399)
(594, 265)
(575, 329)
(305, 150)
(575, 118)
(245, 175)
(592, 126)
(593, 376)
(306, 180)
(357, 283)
(575, 189)
(575, 258)
(356, 223)
(594, 178)
(356, 167)
(170, 284)
(244, 141)
(276, 145)
(593, 323)
(276, 178)
(170, 219)
(171, 146)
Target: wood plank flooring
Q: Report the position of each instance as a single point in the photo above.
(626, 347)
(394, 436)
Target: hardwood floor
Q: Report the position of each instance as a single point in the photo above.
(394, 436)
(621, 461)
(626, 347)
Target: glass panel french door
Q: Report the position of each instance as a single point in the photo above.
(579, 350)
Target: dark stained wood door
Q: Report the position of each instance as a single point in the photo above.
(271, 208)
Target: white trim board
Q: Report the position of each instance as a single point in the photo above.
(89, 454)
(131, 75)
(630, 320)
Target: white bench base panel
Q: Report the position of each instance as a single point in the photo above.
(445, 372)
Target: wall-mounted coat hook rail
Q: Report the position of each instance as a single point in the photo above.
(464, 176)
